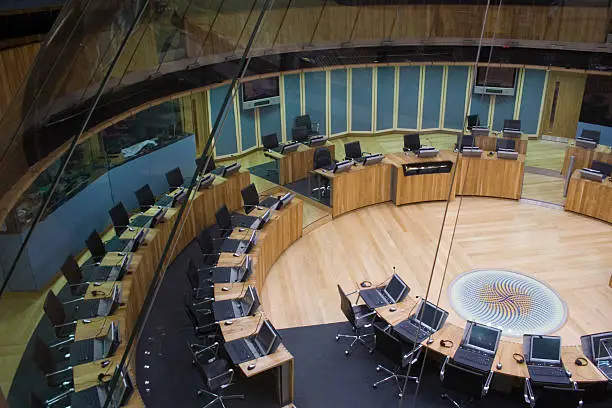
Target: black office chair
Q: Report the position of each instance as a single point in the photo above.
(322, 159)
(505, 144)
(203, 324)
(145, 197)
(216, 374)
(120, 218)
(559, 397)
(473, 385)
(95, 245)
(604, 168)
(207, 165)
(227, 221)
(201, 286)
(54, 367)
(512, 124)
(175, 178)
(250, 198)
(412, 142)
(54, 310)
(77, 285)
(403, 355)
(304, 128)
(352, 150)
(270, 141)
(473, 120)
(360, 317)
(208, 248)
(464, 141)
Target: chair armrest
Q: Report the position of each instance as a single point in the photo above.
(528, 393)
(229, 373)
(485, 388)
(59, 397)
(443, 368)
(79, 299)
(412, 357)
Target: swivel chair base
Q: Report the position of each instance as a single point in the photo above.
(356, 338)
(454, 403)
(393, 375)
(218, 398)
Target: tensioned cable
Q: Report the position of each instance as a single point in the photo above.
(491, 48)
(73, 145)
(154, 285)
(453, 181)
(163, 58)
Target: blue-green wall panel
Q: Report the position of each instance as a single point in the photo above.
(361, 100)
(226, 142)
(533, 88)
(408, 99)
(247, 128)
(385, 83)
(314, 86)
(454, 109)
(270, 120)
(338, 101)
(480, 107)
(504, 109)
(432, 97)
(292, 101)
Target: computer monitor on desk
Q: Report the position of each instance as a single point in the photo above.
(482, 338)
(431, 316)
(352, 150)
(512, 124)
(545, 349)
(601, 346)
(592, 135)
(603, 168)
(231, 169)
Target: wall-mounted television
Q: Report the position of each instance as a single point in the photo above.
(495, 81)
(260, 92)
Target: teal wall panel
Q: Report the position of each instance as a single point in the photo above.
(270, 120)
(432, 97)
(361, 100)
(314, 87)
(226, 141)
(504, 109)
(339, 105)
(533, 88)
(408, 98)
(456, 84)
(292, 101)
(385, 83)
(480, 107)
(247, 128)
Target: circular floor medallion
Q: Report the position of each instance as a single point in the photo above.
(515, 303)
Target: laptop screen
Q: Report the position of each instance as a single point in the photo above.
(395, 288)
(122, 390)
(249, 299)
(430, 315)
(266, 336)
(111, 340)
(483, 337)
(602, 346)
(545, 349)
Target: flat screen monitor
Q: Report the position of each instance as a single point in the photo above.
(231, 169)
(430, 315)
(513, 124)
(175, 178)
(545, 349)
(260, 89)
(111, 340)
(466, 141)
(266, 336)
(250, 196)
(505, 144)
(496, 77)
(591, 135)
(396, 288)
(248, 299)
(207, 163)
(603, 168)
(122, 390)
(601, 345)
(412, 142)
(483, 337)
(247, 268)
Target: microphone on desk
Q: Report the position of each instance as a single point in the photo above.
(254, 363)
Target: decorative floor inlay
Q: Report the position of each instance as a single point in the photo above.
(515, 303)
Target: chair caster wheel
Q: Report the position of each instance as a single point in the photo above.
(346, 352)
(378, 368)
(400, 395)
(374, 385)
(193, 362)
(337, 338)
(200, 393)
(371, 351)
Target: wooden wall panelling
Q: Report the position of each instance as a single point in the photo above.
(584, 157)
(569, 87)
(140, 53)
(336, 24)
(375, 23)
(14, 66)
(298, 26)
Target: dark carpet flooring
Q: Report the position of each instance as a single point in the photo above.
(268, 171)
(324, 376)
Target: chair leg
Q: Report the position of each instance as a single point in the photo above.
(361, 338)
(452, 401)
(393, 375)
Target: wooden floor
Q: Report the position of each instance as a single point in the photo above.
(568, 251)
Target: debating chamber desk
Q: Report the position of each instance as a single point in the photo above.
(590, 197)
(393, 180)
(505, 354)
(583, 157)
(490, 142)
(296, 165)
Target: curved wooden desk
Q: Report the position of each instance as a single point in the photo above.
(590, 197)
(581, 374)
(583, 157)
(490, 142)
(490, 176)
(294, 166)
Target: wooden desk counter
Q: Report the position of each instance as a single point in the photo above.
(296, 165)
(581, 374)
(235, 290)
(583, 157)
(490, 142)
(242, 327)
(589, 197)
(490, 176)
(422, 187)
(504, 355)
(99, 326)
(403, 311)
(450, 332)
(359, 187)
(104, 290)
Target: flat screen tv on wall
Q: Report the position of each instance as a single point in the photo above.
(495, 81)
(260, 92)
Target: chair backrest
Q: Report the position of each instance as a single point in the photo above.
(207, 165)
(473, 120)
(54, 309)
(205, 242)
(512, 124)
(270, 141)
(303, 121)
(505, 144)
(120, 218)
(191, 271)
(390, 346)
(594, 135)
(412, 141)
(41, 355)
(300, 134)
(36, 402)
(214, 380)
(95, 245)
(464, 380)
(145, 197)
(559, 397)
(322, 157)
(352, 150)
(72, 271)
(224, 218)
(191, 314)
(347, 307)
(605, 168)
(250, 197)
(465, 141)
(174, 178)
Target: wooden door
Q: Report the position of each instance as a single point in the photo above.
(562, 104)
